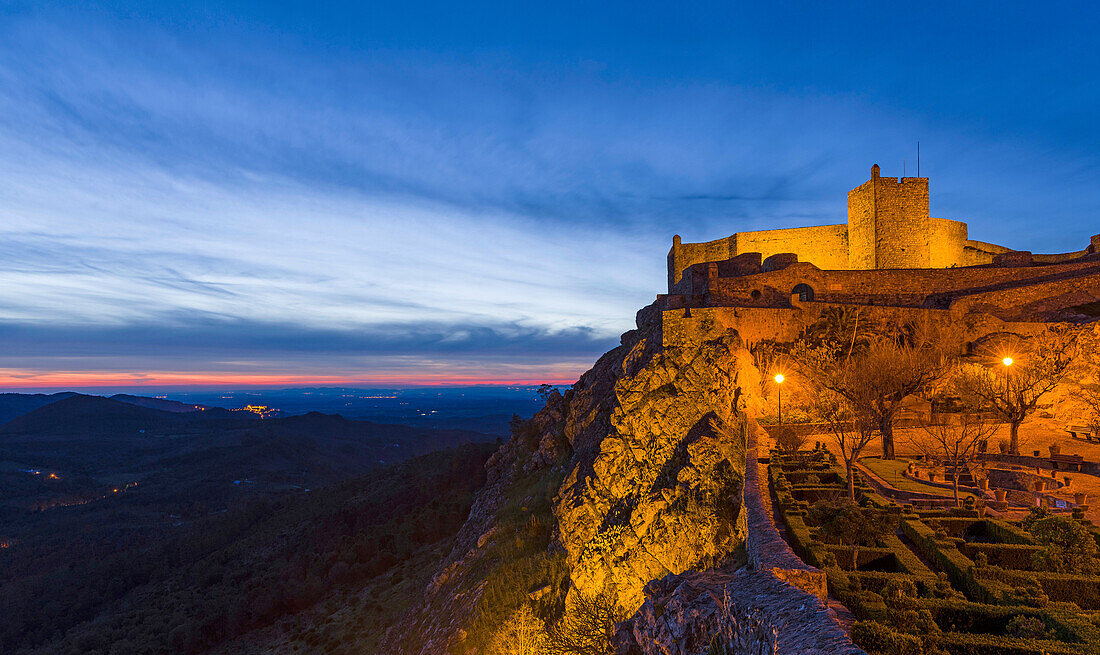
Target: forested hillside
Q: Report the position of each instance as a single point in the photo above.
(248, 578)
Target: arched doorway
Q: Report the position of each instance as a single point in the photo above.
(805, 292)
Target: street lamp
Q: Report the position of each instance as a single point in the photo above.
(779, 386)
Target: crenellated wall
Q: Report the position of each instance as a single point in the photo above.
(888, 228)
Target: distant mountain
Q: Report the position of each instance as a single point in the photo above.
(89, 416)
(158, 403)
(13, 405)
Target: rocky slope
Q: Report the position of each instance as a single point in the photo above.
(631, 475)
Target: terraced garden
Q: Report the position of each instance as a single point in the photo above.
(950, 581)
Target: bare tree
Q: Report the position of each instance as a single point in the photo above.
(1088, 391)
(587, 626)
(1032, 369)
(851, 431)
(955, 437)
(877, 378)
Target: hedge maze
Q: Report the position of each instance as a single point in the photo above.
(948, 581)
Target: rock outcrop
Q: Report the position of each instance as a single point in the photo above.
(660, 493)
(745, 611)
(648, 448)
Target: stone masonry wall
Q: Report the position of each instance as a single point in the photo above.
(947, 243)
(754, 324)
(825, 246)
(888, 223)
(900, 287)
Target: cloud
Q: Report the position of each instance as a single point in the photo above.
(175, 188)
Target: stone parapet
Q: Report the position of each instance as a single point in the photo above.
(764, 545)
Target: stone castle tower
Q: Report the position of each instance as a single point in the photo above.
(888, 226)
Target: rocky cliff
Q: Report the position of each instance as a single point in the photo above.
(633, 474)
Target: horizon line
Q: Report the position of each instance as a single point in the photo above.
(264, 383)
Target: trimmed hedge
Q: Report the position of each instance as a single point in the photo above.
(1083, 590)
(958, 643)
(1007, 533)
(1010, 556)
(908, 562)
(811, 551)
(981, 618)
(878, 639)
(886, 559)
(943, 554)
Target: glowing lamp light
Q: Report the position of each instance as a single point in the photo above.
(1007, 361)
(779, 378)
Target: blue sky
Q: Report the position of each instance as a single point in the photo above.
(480, 191)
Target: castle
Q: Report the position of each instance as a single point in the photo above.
(890, 255)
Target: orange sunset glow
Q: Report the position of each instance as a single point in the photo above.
(14, 379)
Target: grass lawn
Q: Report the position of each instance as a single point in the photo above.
(891, 471)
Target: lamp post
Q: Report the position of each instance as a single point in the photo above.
(1007, 361)
(779, 387)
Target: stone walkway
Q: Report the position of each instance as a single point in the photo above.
(841, 614)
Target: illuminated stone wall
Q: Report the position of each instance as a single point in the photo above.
(684, 327)
(888, 223)
(888, 227)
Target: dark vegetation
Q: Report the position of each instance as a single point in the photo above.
(222, 525)
(231, 573)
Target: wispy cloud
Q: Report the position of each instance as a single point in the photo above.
(176, 188)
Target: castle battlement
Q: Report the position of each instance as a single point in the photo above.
(891, 258)
(889, 227)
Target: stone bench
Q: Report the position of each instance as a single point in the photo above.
(1067, 460)
(1085, 431)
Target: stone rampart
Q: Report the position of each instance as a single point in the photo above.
(1043, 300)
(735, 283)
(681, 327)
(825, 246)
(766, 549)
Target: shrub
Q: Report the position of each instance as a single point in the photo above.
(788, 440)
(1035, 514)
(878, 639)
(521, 634)
(1027, 627)
(1067, 546)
